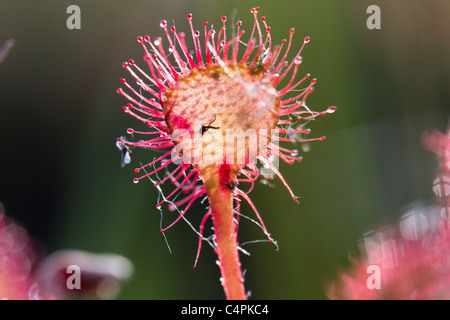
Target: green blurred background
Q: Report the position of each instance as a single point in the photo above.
(60, 173)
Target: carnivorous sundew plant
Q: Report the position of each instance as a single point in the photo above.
(218, 114)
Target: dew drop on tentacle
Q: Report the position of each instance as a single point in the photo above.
(331, 109)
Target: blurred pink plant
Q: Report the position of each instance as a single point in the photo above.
(413, 258)
(16, 260)
(25, 274)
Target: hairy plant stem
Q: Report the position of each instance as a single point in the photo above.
(225, 228)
